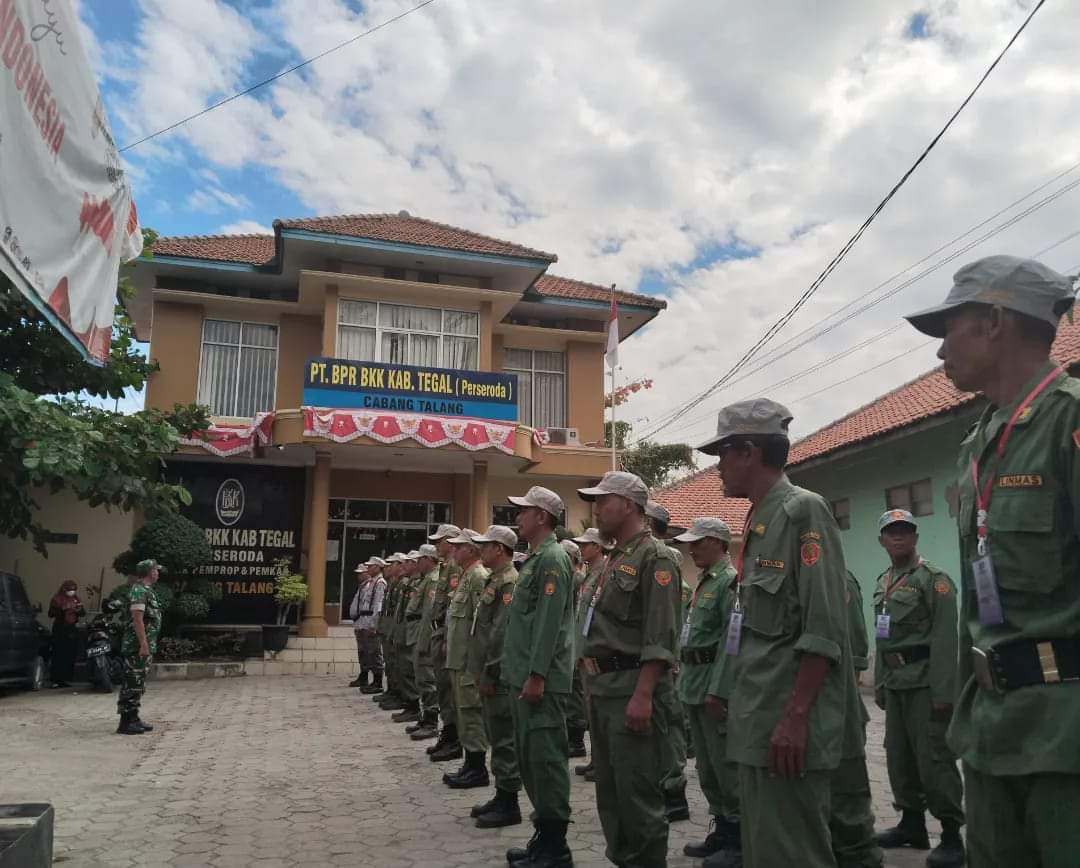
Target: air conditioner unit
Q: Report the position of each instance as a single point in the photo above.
(563, 437)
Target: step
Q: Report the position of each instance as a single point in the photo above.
(258, 666)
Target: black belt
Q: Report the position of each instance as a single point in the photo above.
(614, 663)
(704, 654)
(1022, 664)
(900, 659)
(413, 617)
(365, 613)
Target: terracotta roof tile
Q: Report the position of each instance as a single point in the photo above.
(930, 395)
(565, 287)
(702, 494)
(406, 229)
(251, 249)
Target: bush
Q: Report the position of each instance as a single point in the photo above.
(192, 606)
(175, 542)
(177, 649)
(228, 645)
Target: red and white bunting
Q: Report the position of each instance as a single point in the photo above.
(341, 426)
(226, 440)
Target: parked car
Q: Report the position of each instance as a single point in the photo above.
(23, 641)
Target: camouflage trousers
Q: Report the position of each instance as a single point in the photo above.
(133, 685)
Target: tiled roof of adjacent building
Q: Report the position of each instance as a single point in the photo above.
(565, 287)
(702, 494)
(249, 249)
(930, 395)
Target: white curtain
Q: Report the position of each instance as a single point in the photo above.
(395, 348)
(418, 319)
(461, 353)
(357, 344)
(550, 401)
(424, 350)
(238, 370)
(357, 313)
(459, 322)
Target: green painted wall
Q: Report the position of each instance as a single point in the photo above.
(863, 476)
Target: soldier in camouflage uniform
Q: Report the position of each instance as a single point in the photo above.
(631, 643)
(447, 747)
(138, 646)
(420, 610)
(915, 683)
(576, 716)
(594, 549)
(484, 661)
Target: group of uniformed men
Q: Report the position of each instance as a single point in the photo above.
(759, 662)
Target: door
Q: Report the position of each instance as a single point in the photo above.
(23, 632)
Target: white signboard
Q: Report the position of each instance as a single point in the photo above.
(66, 213)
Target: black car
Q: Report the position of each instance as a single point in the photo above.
(23, 641)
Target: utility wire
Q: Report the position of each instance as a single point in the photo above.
(836, 260)
(281, 74)
(846, 380)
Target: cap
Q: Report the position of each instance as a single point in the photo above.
(445, 531)
(1021, 285)
(144, 568)
(362, 567)
(427, 550)
(896, 516)
(592, 535)
(703, 527)
(655, 510)
(571, 548)
(619, 482)
(395, 558)
(519, 557)
(466, 537)
(499, 534)
(756, 416)
(376, 562)
(542, 498)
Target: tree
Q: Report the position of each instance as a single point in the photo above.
(65, 443)
(655, 463)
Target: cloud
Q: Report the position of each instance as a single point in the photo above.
(211, 200)
(246, 227)
(644, 144)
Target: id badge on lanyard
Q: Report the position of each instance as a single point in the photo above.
(881, 625)
(734, 632)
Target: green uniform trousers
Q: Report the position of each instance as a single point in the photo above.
(425, 682)
(922, 769)
(499, 725)
(852, 820)
(444, 684)
(577, 715)
(390, 659)
(470, 712)
(1022, 820)
(785, 821)
(629, 768)
(406, 673)
(718, 777)
(674, 779)
(540, 742)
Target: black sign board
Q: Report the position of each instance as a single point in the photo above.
(252, 516)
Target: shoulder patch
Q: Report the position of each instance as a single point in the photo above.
(663, 578)
(629, 570)
(810, 536)
(810, 554)
(759, 529)
(942, 587)
(507, 597)
(549, 589)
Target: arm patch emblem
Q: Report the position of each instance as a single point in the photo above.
(810, 554)
(663, 578)
(549, 589)
(942, 587)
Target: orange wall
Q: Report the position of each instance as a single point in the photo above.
(174, 344)
(392, 485)
(299, 338)
(585, 390)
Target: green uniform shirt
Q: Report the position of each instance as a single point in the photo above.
(922, 614)
(462, 608)
(707, 616)
(485, 653)
(426, 594)
(584, 598)
(793, 603)
(539, 636)
(406, 593)
(1034, 543)
(860, 643)
(636, 613)
(449, 576)
(144, 596)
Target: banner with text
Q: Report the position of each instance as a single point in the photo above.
(339, 383)
(66, 213)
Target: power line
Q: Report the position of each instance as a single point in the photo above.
(281, 74)
(838, 258)
(846, 380)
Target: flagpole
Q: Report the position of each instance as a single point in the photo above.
(614, 434)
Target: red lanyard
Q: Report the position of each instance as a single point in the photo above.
(890, 586)
(984, 493)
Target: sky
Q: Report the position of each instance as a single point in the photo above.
(715, 154)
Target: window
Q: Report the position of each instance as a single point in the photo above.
(238, 372)
(841, 510)
(916, 497)
(541, 386)
(397, 334)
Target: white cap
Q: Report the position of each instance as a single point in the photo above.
(499, 534)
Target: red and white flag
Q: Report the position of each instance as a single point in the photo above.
(612, 354)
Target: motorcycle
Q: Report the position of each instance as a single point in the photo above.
(103, 660)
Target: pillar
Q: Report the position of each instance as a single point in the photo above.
(330, 318)
(481, 505)
(314, 623)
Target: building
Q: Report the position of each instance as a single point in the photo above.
(369, 377)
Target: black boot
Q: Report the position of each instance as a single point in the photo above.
(360, 680)
(427, 727)
(676, 808)
(394, 703)
(727, 858)
(408, 714)
(447, 736)
(517, 855)
(451, 750)
(575, 737)
(127, 725)
(583, 770)
(376, 685)
(473, 774)
(950, 852)
(909, 832)
(551, 850)
(145, 727)
(501, 811)
(722, 835)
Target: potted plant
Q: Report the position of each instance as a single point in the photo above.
(290, 591)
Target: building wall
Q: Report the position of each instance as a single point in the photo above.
(577, 510)
(585, 390)
(102, 535)
(299, 339)
(175, 346)
(863, 478)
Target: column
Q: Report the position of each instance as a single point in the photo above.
(314, 623)
(481, 504)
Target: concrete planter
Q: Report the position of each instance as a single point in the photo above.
(195, 669)
(26, 836)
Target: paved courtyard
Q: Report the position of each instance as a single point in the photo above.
(272, 772)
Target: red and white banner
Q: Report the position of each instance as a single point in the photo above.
(226, 440)
(66, 213)
(341, 426)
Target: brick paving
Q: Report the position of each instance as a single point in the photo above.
(273, 772)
